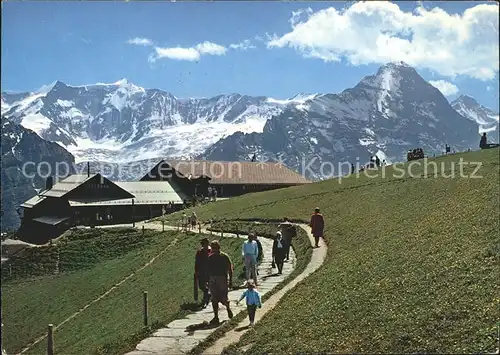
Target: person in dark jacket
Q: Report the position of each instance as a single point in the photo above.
(201, 269)
(483, 141)
(220, 270)
(261, 252)
(279, 252)
(288, 231)
(317, 225)
(259, 248)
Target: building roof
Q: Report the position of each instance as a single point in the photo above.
(32, 202)
(67, 184)
(51, 220)
(145, 192)
(239, 172)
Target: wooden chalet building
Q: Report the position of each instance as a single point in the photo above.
(228, 178)
(91, 200)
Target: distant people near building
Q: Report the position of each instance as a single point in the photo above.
(279, 251)
(317, 225)
(220, 270)
(184, 222)
(483, 144)
(288, 231)
(214, 194)
(250, 252)
(209, 194)
(353, 169)
(377, 161)
(253, 300)
(194, 220)
(201, 269)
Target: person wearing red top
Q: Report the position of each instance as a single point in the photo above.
(201, 269)
(317, 225)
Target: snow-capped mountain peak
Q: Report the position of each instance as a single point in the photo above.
(45, 89)
(122, 121)
(487, 119)
(123, 81)
(384, 114)
(302, 97)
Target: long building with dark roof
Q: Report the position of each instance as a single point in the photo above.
(92, 199)
(228, 178)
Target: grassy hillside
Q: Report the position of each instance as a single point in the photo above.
(413, 261)
(90, 263)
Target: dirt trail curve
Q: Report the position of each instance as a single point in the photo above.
(233, 336)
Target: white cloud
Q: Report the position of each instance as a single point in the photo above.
(243, 45)
(210, 48)
(138, 41)
(489, 88)
(177, 53)
(190, 54)
(380, 32)
(446, 88)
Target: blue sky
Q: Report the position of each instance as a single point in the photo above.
(87, 42)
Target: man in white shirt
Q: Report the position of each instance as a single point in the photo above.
(250, 253)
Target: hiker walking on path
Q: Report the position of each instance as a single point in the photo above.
(288, 231)
(317, 225)
(260, 255)
(252, 297)
(201, 269)
(250, 253)
(220, 268)
(279, 252)
(194, 220)
(259, 248)
(184, 222)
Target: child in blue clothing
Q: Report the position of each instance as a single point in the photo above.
(253, 300)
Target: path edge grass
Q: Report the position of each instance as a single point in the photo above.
(303, 254)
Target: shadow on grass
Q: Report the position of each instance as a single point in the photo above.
(270, 276)
(192, 306)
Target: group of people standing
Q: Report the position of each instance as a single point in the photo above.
(214, 268)
(189, 222)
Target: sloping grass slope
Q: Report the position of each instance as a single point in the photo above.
(91, 262)
(413, 261)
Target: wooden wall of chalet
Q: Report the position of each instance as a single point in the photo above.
(100, 189)
(117, 214)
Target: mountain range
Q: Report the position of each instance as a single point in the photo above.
(385, 114)
(26, 160)
(122, 122)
